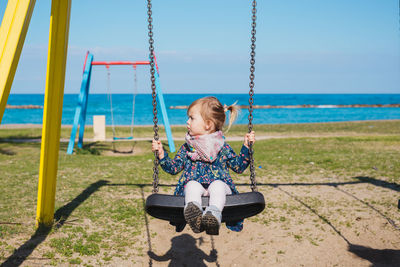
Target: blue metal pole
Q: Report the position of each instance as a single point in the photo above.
(82, 119)
(164, 113)
(84, 90)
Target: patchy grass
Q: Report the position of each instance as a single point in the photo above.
(99, 205)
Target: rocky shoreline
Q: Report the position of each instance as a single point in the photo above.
(24, 107)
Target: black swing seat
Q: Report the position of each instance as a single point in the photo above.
(237, 207)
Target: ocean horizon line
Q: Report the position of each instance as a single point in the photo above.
(38, 125)
(211, 93)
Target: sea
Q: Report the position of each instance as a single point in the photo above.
(123, 109)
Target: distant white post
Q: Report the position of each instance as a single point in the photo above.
(99, 128)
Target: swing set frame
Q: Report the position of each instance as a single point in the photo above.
(81, 108)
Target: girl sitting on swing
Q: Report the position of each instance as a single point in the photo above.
(205, 159)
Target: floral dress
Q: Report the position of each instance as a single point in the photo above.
(206, 172)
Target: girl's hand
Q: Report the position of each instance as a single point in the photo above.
(157, 146)
(249, 138)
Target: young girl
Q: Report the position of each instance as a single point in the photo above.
(205, 159)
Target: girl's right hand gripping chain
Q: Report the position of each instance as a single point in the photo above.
(157, 146)
(249, 138)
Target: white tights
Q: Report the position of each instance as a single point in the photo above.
(217, 191)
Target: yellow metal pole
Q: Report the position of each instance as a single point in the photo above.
(13, 30)
(55, 78)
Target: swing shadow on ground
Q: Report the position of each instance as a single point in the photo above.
(184, 252)
(93, 148)
(181, 247)
(18, 141)
(13, 139)
(361, 180)
(99, 148)
(377, 257)
(7, 152)
(60, 217)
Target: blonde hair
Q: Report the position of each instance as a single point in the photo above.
(212, 110)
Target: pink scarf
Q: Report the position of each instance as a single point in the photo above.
(205, 147)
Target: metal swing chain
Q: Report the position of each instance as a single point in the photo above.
(110, 99)
(251, 93)
(154, 95)
(135, 89)
(253, 185)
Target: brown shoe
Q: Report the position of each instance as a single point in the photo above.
(193, 214)
(210, 223)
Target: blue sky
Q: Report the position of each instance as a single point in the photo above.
(309, 46)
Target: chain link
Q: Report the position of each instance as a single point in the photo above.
(154, 95)
(251, 94)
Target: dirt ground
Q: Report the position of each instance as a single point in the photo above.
(319, 224)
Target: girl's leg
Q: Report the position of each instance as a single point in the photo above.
(193, 211)
(212, 216)
(193, 192)
(218, 191)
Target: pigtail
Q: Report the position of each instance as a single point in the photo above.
(234, 112)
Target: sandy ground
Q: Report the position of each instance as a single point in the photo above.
(302, 225)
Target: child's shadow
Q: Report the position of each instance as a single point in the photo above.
(184, 252)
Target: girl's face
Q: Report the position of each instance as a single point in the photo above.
(196, 124)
